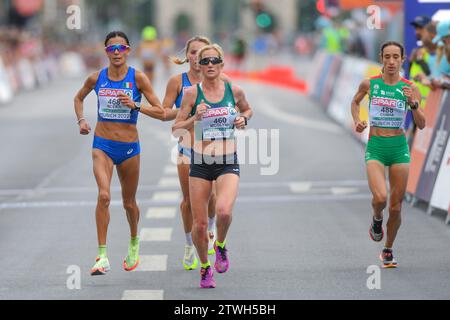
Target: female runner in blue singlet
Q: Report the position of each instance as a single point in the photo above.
(119, 89)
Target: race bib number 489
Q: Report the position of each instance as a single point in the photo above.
(110, 106)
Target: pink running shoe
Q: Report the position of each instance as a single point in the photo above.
(222, 263)
(207, 281)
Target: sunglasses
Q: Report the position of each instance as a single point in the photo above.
(121, 47)
(213, 60)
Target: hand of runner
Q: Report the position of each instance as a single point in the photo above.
(360, 126)
(239, 123)
(85, 128)
(126, 100)
(408, 94)
(201, 110)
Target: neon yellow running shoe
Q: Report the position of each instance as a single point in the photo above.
(101, 266)
(190, 261)
(132, 260)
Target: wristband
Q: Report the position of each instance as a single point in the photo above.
(246, 120)
(81, 119)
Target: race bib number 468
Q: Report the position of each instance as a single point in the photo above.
(110, 106)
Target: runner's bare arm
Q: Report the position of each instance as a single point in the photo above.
(88, 86)
(418, 114)
(172, 90)
(183, 121)
(363, 90)
(154, 110)
(243, 106)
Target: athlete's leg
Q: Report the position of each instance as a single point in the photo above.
(200, 192)
(398, 179)
(103, 170)
(185, 206)
(128, 173)
(227, 187)
(212, 220)
(377, 184)
(190, 260)
(212, 203)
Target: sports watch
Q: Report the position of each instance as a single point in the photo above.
(137, 106)
(414, 106)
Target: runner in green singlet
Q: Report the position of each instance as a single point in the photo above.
(390, 97)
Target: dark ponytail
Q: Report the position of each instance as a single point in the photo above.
(114, 34)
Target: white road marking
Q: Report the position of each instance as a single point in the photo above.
(268, 109)
(166, 196)
(145, 188)
(171, 170)
(342, 191)
(143, 295)
(300, 187)
(156, 234)
(161, 213)
(241, 199)
(153, 263)
(169, 182)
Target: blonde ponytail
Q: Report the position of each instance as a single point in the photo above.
(180, 61)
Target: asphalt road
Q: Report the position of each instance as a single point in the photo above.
(299, 233)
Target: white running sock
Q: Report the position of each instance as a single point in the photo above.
(189, 239)
(211, 224)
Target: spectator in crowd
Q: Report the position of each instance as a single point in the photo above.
(443, 60)
(420, 57)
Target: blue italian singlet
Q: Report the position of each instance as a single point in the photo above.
(109, 107)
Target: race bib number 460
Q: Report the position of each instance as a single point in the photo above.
(110, 106)
(218, 123)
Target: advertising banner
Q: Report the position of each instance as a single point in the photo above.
(441, 193)
(422, 140)
(352, 72)
(320, 85)
(435, 153)
(6, 92)
(330, 81)
(313, 77)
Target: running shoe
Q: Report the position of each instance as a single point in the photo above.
(190, 261)
(376, 231)
(212, 240)
(207, 281)
(132, 260)
(101, 267)
(388, 259)
(222, 263)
